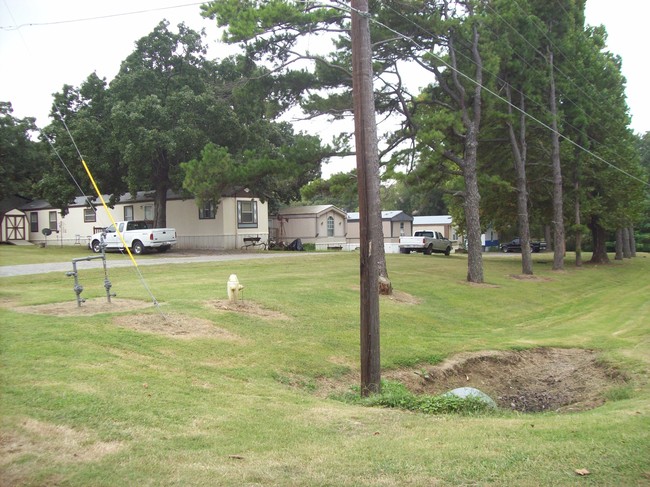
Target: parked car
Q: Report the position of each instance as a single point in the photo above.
(515, 246)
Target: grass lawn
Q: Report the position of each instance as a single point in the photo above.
(87, 398)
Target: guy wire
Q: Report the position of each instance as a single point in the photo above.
(101, 198)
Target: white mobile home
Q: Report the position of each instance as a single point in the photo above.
(222, 226)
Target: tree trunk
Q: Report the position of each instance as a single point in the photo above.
(160, 207)
(548, 236)
(599, 242)
(558, 208)
(619, 244)
(627, 251)
(578, 218)
(632, 242)
(161, 185)
(472, 220)
(371, 232)
(472, 202)
(518, 145)
(385, 285)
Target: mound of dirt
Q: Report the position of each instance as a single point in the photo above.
(89, 307)
(247, 307)
(541, 379)
(175, 326)
(401, 297)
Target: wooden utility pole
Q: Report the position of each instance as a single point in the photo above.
(365, 132)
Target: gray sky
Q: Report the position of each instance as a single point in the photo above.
(37, 60)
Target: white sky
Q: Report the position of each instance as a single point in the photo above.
(37, 60)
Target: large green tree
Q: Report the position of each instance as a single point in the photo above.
(167, 105)
(22, 160)
(82, 122)
(165, 110)
(607, 176)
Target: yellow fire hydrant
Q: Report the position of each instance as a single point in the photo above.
(233, 287)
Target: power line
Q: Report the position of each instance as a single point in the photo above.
(496, 95)
(99, 17)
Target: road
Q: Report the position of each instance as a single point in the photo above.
(28, 269)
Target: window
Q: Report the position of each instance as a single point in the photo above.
(33, 222)
(330, 226)
(207, 211)
(148, 212)
(89, 215)
(247, 214)
(128, 214)
(53, 222)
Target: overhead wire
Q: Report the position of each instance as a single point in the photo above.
(99, 17)
(492, 92)
(533, 101)
(99, 194)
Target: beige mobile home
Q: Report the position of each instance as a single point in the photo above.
(222, 226)
(323, 225)
(394, 224)
(436, 223)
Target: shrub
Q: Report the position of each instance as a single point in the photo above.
(396, 395)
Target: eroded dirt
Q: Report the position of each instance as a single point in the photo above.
(247, 307)
(535, 380)
(174, 325)
(147, 317)
(541, 379)
(88, 308)
(46, 441)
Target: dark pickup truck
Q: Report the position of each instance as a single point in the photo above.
(515, 246)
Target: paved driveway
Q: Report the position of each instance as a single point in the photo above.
(27, 269)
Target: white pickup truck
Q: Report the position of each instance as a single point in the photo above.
(138, 235)
(425, 241)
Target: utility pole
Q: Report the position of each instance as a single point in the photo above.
(365, 132)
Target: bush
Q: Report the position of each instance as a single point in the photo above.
(396, 395)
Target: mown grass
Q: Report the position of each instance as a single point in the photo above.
(85, 402)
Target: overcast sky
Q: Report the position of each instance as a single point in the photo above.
(49, 48)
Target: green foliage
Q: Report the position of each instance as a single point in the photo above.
(274, 166)
(22, 160)
(169, 103)
(620, 393)
(339, 190)
(395, 395)
(209, 176)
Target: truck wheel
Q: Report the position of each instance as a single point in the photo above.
(137, 247)
(504, 250)
(448, 251)
(428, 250)
(96, 247)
